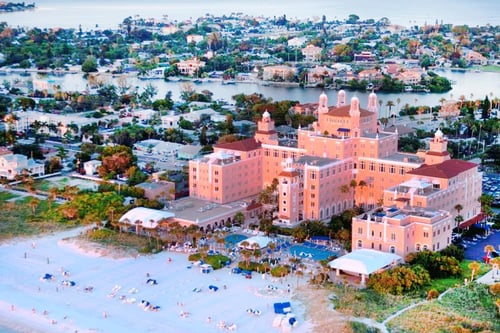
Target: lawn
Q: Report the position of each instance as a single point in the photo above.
(445, 283)
(490, 68)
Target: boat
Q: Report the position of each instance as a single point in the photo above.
(408, 89)
(154, 74)
(228, 82)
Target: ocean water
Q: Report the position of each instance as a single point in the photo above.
(109, 13)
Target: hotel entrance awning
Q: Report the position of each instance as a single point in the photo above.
(472, 221)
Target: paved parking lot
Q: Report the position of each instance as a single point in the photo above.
(491, 185)
(475, 249)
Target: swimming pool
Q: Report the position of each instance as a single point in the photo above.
(315, 253)
(232, 240)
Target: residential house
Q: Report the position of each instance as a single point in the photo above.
(364, 56)
(312, 53)
(409, 77)
(279, 73)
(319, 73)
(91, 167)
(12, 165)
(190, 67)
(370, 75)
(158, 190)
(476, 58)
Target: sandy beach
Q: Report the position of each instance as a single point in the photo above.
(111, 292)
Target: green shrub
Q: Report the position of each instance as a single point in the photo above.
(399, 280)
(495, 289)
(253, 266)
(358, 327)
(437, 264)
(216, 261)
(433, 293)
(280, 271)
(101, 234)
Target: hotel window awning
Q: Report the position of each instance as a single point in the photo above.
(342, 129)
(472, 221)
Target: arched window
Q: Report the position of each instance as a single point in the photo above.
(417, 247)
(425, 247)
(392, 249)
(360, 244)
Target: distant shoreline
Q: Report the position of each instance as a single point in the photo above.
(12, 7)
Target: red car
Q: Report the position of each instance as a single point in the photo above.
(491, 255)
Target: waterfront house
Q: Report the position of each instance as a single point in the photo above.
(311, 53)
(12, 165)
(190, 67)
(279, 73)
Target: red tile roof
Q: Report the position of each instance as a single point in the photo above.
(289, 173)
(242, 145)
(436, 153)
(343, 111)
(5, 151)
(446, 170)
(254, 205)
(472, 221)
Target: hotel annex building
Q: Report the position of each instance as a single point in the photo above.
(410, 199)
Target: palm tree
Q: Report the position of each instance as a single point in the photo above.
(34, 202)
(272, 247)
(458, 208)
(220, 241)
(138, 224)
(362, 184)
(389, 104)
(239, 218)
(462, 99)
(488, 249)
(69, 192)
(353, 184)
(299, 273)
(474, 267)
(420, 111)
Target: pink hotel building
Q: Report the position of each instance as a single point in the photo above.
(417, 193)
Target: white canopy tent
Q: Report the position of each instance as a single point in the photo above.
(148, 217)
(261, 241)
(364, 262)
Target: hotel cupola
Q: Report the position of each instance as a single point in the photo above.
(266, 131)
